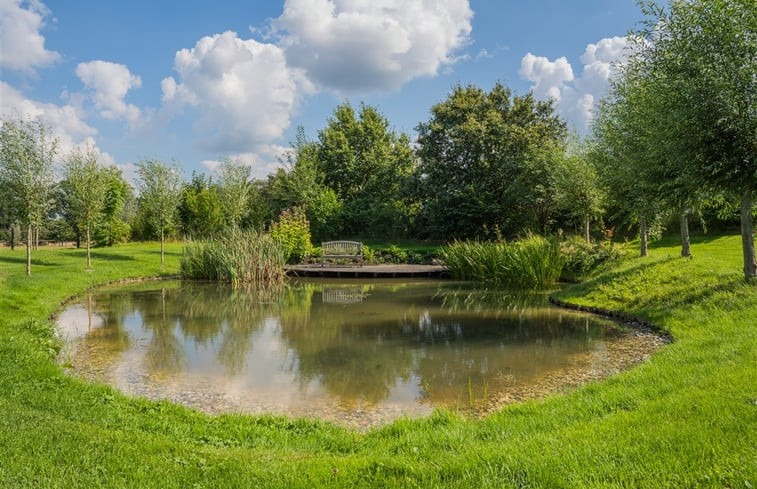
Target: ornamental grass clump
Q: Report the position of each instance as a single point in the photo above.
(533, 262)
(237, 257)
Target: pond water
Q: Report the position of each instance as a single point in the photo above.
(361, 353)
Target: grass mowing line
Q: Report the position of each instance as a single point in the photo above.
(686, 417)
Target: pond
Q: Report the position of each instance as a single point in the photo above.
(360, 353)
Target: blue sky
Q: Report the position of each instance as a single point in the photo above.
(196, 82)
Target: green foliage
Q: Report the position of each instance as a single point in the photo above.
(534, 262)
(119, 198)
(292, 230)
(237, 257)
(367, 165)
(201, 211)
(234, 190)
(583, 258)
(483, 163)
(159, 194)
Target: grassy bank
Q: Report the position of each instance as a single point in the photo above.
(685, 418)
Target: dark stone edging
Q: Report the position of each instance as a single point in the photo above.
(621, 317)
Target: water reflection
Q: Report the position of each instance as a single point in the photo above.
(361, 351)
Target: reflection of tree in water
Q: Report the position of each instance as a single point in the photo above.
(360, 350)
(165, 352)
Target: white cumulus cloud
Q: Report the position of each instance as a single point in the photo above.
(109, 84)
(365, 45)
(575, 97)
(243, 90)
(65, 121)
(22, 46)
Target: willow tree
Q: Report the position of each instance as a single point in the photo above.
(26, 169)
(159, 196)
(697, 60)
(234, 189)
(85, 184)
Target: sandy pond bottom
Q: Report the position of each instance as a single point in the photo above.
(358, 353)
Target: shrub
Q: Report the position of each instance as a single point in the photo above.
(237, 257)
(293, 231)
(582, 258)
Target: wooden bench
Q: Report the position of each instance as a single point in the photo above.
(332, 250)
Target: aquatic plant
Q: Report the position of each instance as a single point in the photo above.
(238, 257)
(533, 262)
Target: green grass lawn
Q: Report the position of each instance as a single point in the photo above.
(685, 418)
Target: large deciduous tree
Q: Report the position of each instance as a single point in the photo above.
(478, 153)
(26, 159)
(159, 195)
(85, 184)
(366, 164)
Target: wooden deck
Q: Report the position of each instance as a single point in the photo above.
(368, 271)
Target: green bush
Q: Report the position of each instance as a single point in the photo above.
(293, 231)
(533, 262)
(582, 258)
(237, 257)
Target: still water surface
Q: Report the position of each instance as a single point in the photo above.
(361, 352)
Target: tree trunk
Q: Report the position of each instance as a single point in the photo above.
(587, 221)
(747, 236)
(162, 241)
(643, 235)
(685, 238)
(29, 250)
(36, 238)
(13, 238)
(89, 259)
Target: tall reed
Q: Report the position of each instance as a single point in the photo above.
(533, 262)
(237, 257)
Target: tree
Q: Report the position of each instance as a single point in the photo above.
(575, 184)
(479, 152)
(119, 194)
(26, 159)
(86, 185)
(200, 211)
(234, 190)
(366, 164)
(301, 185)
(159, 193)
(699, 58)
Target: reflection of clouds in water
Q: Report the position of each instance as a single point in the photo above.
(76, 321)
(398, 351)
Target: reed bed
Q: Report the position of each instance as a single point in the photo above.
(534, 262)
(238, 257)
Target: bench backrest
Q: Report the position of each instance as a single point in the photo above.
(342, 248)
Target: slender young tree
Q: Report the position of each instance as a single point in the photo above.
(159, 196)
(85, 184)
(698, 58)
(234, 190)
(575, 183)
(26, 160)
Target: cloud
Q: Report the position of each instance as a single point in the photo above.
(23, 47)
(109, 83)
(266, 159)
(576, 97)
(549, 77)
(65, 121)
(367, 45)
(243, 91)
